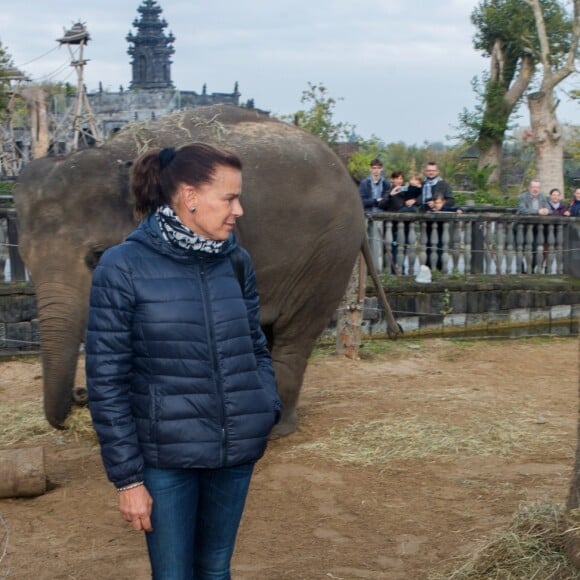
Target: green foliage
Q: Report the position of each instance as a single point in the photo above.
(512, 23)
(396, 156)
(507, 29)
(318, 118)
(6, 187)
(446, 307)
(6, 67)
(479, 176)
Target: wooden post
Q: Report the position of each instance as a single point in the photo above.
(350, 313)
(22, 472)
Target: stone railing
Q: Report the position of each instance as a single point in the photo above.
(483, 243)
(11, 266)
(490, 244)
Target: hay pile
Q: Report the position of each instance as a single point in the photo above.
(533, 548)
(382, 441)
(25, 423)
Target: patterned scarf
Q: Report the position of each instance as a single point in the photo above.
(377, 187)
(428, 186)
(178, 234)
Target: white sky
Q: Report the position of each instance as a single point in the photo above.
(401, 67)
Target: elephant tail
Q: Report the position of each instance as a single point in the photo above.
(393, 327)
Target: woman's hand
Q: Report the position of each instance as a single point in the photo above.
(135, 506)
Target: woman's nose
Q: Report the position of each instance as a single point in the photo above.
(237, 208)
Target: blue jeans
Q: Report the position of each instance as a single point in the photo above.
(195, 518)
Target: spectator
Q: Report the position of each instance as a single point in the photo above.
(433, 184)
(532, 202)
(555, 203)
(395, 199)
(413, 193)
(374, 188)
(440, 205)
(574, 207)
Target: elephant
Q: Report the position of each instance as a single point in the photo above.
(303, 226)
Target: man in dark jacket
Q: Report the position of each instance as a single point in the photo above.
(434, 185)
(374, 188)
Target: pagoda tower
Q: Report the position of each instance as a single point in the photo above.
(150, 49)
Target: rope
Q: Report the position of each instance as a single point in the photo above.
(31, 343)
(22, 65)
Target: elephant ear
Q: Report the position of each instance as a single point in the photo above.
(101, 182)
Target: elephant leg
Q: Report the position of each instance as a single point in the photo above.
(290, 361)
(289, 366)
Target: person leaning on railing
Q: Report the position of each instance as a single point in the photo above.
(574, 207)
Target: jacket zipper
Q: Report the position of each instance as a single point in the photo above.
(214, 364)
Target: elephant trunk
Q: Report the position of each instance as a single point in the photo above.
(62, 317)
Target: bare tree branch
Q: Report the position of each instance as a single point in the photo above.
(522, 81)
(551, 78)
(541, 31)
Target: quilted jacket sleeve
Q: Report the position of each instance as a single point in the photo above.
(261, 352)
(108, 369)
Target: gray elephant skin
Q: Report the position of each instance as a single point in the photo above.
(303, 226)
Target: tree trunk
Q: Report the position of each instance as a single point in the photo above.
(547, 139)
(573, 504)
(22, 472)
(36, 102)
(492, 155)
(350, 313)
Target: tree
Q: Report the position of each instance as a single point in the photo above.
(318, 119)
(557, 62)
(505, 35)
(6, 72)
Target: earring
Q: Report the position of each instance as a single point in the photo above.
(191, 209)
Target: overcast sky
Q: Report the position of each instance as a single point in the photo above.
(402, 68)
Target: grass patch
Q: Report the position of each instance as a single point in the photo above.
(382, 441)
(374, 347)
(534, 547)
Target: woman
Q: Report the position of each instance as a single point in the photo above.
(574, 207)
(181, 386)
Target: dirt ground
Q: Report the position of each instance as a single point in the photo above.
(403, 461)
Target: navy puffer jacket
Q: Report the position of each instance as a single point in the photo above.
(178, 371)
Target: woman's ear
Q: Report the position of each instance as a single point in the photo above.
(188, 196)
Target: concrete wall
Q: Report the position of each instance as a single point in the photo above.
(19, 330)
(435, 309)
(479, 308)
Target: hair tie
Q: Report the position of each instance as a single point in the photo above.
(166, 155)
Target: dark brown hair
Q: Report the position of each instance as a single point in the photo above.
(157, 174)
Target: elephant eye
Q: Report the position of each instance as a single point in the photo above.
(92, 257)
